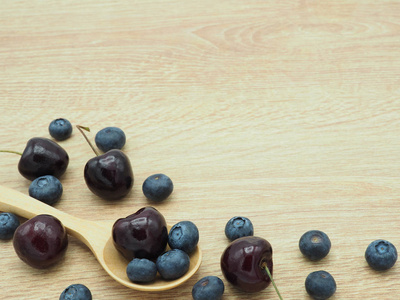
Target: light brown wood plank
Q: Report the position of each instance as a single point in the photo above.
(286, 112)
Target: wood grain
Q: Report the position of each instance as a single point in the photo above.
(286, 112)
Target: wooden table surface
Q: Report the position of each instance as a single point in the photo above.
(286, 112)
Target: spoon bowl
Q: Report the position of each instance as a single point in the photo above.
(97, 236)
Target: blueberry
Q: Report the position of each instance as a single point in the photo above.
(47, 189)
(76, 292)
(141, 270)
(157, 187)
(173, 264)
(320, 285)
(60, 129)
(8, 224)
(184, 236)
(208, 288)
(314, 244)
(110, 138)
(381, 255)
(238, 227)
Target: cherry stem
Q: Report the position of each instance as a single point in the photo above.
(10, 151)
(273, 282)
(87, 140)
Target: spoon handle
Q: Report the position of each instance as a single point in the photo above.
(28, 207)
(25, 206)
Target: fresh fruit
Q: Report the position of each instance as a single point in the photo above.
(208, 288)
(184, 236)
(143, 234)
(41, 157)
(41, 241)
(381, 255)
(157, 187)
(76, 292)
(314, 244)
(60, 129)
(238, 227)
(173, 264)
(110, 138)
(141, 270)
(47, 189)
(109, 175)
(244, 263)
(8, 224)
(320, 285)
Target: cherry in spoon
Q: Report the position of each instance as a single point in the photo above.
(96, 235)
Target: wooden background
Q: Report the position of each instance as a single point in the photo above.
(286, 112)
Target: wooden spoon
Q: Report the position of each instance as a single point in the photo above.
(96, 235)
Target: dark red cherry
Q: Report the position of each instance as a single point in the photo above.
(41, 241)
(143, 234)
(243, 263)
(42, 157)
(109, 175)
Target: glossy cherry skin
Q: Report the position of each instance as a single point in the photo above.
(41, 241)
(109, 175)
(243, 262)
(143, 234)
(41, 157)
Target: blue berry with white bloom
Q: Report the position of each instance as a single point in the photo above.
(110, 138)
(314, 244)
(238, 227)
(173, 264)
(76, 292)
(141, 270)
(320, 285)
(157, 187)
(60, 129)
(208, 288)
(184, 236)
(8, 224)
(47, 189)
(381, 255)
